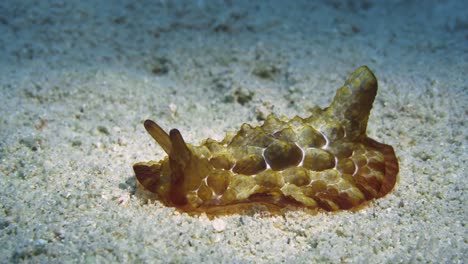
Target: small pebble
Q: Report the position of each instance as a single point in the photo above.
(219, 225)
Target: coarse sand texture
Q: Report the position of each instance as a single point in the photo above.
(79, 79)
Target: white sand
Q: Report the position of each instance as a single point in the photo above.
(78, 79)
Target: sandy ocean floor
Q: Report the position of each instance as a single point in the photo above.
(78, 78)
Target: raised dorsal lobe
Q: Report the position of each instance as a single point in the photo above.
(353, 101)
(322, 161)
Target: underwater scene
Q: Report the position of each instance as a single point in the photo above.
(233, 131)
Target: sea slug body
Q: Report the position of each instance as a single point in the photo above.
(323, 161)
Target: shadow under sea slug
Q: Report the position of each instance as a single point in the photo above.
(323, 161)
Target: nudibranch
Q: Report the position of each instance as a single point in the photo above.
(323, 161)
